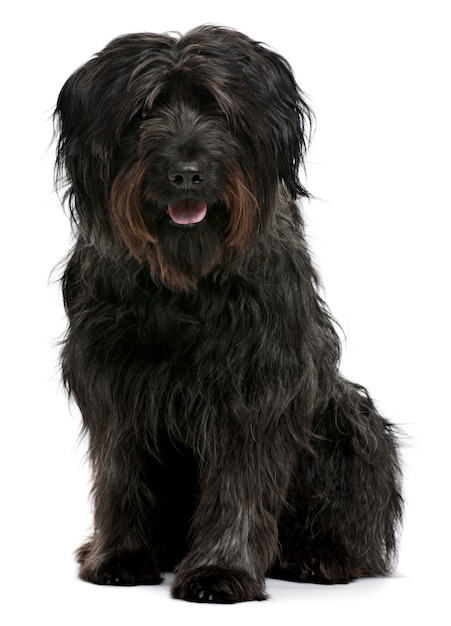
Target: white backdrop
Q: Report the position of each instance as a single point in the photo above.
(378, 77)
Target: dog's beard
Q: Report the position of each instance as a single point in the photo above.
(190, 240)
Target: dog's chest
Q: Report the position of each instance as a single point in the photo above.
(203, 328)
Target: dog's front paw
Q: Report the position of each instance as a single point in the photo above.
(217, 585)
(117, 568)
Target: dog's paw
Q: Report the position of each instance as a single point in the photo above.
(324, 568)
(117, 568)
(217, 585)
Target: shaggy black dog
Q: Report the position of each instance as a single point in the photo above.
(224, 443)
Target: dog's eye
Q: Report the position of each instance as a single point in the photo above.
(145, 113)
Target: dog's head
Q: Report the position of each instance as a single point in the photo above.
(176, 148)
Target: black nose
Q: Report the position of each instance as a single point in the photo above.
(187, 175)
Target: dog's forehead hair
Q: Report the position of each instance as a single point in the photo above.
(210, 62)
(186, 87)
(186, 95)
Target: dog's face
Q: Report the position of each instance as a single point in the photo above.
(176, 149)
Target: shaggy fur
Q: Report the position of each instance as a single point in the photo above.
(225, 444)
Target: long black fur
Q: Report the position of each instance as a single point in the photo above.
(224, 442)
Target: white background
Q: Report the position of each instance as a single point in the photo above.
(378, 75)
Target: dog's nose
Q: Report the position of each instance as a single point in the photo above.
(187, 175)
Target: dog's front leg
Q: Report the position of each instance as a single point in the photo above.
(234, 529)
(125, 546)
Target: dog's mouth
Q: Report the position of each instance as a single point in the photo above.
(187, 212)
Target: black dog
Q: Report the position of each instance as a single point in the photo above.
(224, 442)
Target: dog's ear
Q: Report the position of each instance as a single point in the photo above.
(291, 118)
(90, 117)
(287, 115)
(83, 152)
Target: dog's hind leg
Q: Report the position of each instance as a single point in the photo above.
(344, 504)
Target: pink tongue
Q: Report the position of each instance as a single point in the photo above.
(187, 211)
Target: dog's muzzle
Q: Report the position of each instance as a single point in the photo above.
(187, 176)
